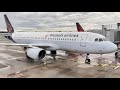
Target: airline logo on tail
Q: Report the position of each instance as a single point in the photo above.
(79, 28)
(9, 28)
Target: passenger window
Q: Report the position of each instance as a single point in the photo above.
(96, 39)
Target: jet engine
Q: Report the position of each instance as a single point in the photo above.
(36, 53)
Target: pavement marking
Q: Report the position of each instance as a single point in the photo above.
(116, 67)
(103, 65)
(16, 50)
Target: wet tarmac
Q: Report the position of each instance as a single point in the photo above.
(14, 64)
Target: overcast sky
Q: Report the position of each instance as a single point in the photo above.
(60, 20)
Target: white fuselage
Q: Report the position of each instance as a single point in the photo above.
(83, 42)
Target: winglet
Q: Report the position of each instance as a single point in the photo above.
(79, 28)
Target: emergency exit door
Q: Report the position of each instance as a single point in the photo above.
(83, 40)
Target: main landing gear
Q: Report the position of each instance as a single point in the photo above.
(53, 54)
(87, 61)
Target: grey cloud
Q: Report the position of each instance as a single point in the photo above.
(41, 20)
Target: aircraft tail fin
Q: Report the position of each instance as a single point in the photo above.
(79, 28)
(10, 29)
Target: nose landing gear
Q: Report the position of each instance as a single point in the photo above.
(87, 61)
(53, 54)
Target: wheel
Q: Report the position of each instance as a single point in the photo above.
(87, 61)
(116, 54)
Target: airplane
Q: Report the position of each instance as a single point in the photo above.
(35, 44)
(79, 28)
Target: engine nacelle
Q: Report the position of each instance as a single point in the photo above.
(36, 53)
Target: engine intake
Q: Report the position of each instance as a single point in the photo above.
(36, 53)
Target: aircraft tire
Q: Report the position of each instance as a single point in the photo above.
(87, 61)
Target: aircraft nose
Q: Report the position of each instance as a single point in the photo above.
(114, 47)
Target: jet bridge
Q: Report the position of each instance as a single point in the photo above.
(112, 32)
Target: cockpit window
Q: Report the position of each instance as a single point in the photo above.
(100, 39)
(96, 39)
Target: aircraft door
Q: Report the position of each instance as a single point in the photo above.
(83, 39)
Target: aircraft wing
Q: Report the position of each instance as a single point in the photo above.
(41, 45)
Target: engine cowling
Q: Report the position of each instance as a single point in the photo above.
(36, 53)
